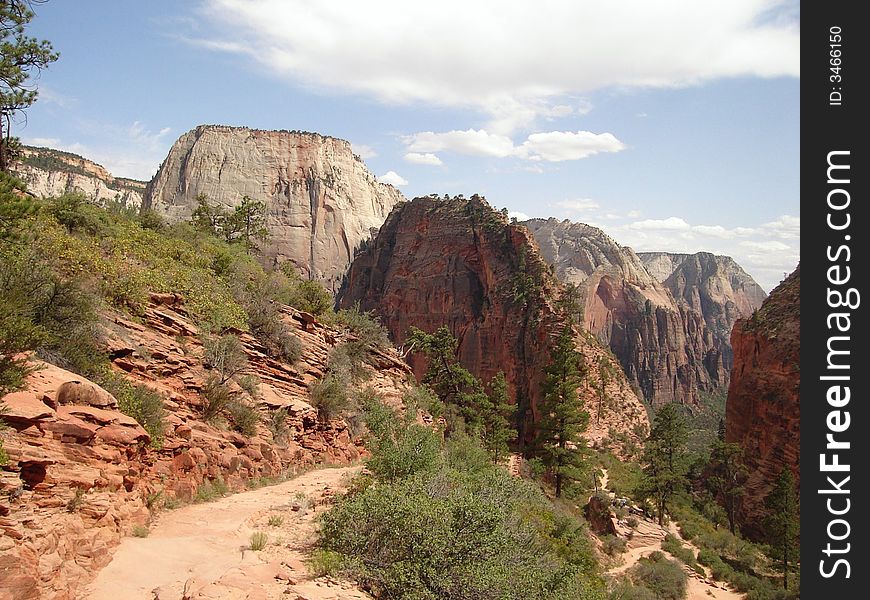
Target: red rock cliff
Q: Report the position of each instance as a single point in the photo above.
(67, 434)
(459, 263)
(763, 409)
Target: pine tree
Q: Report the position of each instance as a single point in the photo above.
(468, 405)
(247, 224)
(20, 57)
(664, 457)
(782, 524)
(558, 443)
(728, 474)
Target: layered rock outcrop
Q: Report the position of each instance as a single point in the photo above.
(664, 346)
(459, 263)
(715, 287)
(763, 409)
(50, 173)
(322, 202)
(81, 474)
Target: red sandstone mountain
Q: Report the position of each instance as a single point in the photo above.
(460, 263)
(763, 409)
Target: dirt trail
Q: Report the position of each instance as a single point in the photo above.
(646, 538)
(203, 548)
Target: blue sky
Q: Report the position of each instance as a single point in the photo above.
(672, 125)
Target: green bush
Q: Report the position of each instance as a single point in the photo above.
(304, 295)
(329, 396)
(613, 545)
(138, 401)
(277, 424)
(216, 398)
(226, 355)
(428, 524)
(365, 325)
(211, 490)
(454, 535)
(686, 555)
(626, 590)
(662, 576)
(244, 417)
(324, 562)
(258, 541)
(140, 531)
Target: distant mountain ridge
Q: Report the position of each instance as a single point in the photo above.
(48, 172)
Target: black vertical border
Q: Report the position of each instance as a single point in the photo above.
(825, 128)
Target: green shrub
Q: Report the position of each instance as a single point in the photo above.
(613, 545)
(453, 535)
(686, 555)
(349, 361)
(140, 531)
(626, 590)
(150, 219)
(74, 212)
(275, 520)
(277, 424)
(662, 576)
(226, 355)
(76, 502)
(244, 417)
(324, 562)
(329, 397)
(137, 401)
(258, 541)
(308, 296)
(216, 398)
(399, 449)
(211, 490)
(365, 325)
(264, 320)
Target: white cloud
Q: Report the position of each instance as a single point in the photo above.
(634, 214)
(42, 142)
(133, 151)
(552, 146)
(766, 259)
(472, 142)
(578, 205)
(669, 224)
(363, 151)
(393, 178)
(461, 54)
(556, 146)
(519, 216)
(423, 159)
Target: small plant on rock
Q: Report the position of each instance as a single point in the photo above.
(258, 541)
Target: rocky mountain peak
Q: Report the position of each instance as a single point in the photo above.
(322, 202)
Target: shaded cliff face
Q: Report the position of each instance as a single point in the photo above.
(459, 263)
(715, 287)
(67, 434)
(322, 202)
(763, 409)
(50, 173)
(664, 346)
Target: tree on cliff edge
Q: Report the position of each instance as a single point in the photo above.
(558, 443)
(782, 524)
(20, 57)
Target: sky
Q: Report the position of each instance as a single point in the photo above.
(672, 125)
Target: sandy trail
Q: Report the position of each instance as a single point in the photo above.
(203, 548)
(646, 538)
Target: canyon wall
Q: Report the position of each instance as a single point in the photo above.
(664, 346)
(763, 409)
